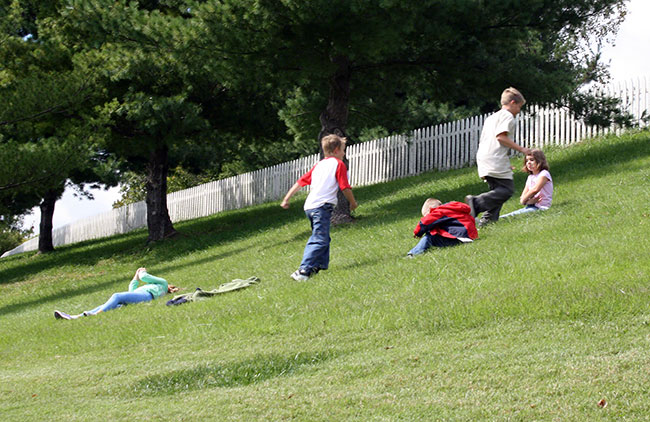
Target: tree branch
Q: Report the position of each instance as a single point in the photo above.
(37, 180)
(52, 109)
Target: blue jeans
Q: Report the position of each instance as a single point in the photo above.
(526, 209)
(317, 250)
(124, 298)
(428, 241)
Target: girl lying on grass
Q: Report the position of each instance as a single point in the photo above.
(143, 288)
(538, 192)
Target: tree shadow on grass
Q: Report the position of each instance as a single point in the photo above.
(95, 287)
(18, 267)
(161, 266)
(92, 288)
(236, 374)
(194, 235)
(159, 269)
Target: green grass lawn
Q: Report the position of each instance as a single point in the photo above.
(540, 319)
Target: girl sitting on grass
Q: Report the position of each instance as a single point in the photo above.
(143, 288)
(538, 192)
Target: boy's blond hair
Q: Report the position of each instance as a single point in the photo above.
(331, 142)
(512, 94)
(428, 204)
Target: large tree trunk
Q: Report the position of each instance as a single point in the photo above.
(334, 121)
(45, 243)
(158, 222)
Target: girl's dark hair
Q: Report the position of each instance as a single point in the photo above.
(540, 159)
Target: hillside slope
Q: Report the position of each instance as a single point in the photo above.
(541, 318)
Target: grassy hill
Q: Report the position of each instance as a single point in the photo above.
(542, 318)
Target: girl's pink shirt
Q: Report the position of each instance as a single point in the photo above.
(546, 194)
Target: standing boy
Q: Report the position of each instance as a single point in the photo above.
(326, 178)
(492, 158)
(443, 225)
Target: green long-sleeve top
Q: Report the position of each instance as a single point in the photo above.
(148, 283)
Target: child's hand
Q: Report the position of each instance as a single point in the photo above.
(353, 205)
(138, 271)
(285, 204)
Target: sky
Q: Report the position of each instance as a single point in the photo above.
(627, 56)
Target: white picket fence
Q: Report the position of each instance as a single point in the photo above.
(441, 147)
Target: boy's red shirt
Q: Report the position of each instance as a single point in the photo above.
(452, 220)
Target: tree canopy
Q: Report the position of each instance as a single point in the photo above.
(46, 136)
(358, 65)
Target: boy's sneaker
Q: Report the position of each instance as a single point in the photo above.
(469, 200)
(300, 275)
(62, 315)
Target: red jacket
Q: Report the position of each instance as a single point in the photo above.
(452, 220)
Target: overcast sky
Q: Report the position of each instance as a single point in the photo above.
(628, 59)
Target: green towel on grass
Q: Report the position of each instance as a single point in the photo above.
(199, 293)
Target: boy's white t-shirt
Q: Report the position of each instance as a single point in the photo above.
(492, 157)
(326, 178)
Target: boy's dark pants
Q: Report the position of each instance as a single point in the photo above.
(491, 202)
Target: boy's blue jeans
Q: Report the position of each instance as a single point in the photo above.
(428, 241)
(317, 250)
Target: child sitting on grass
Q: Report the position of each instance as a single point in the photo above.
(143, 288)
(538, 192)
(326, 178)
(443, 225)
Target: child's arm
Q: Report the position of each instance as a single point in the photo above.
(350, 197)
(136, 279)
(152, 279)
(524, 195)
(505, 140)
(429, 221)
(134, 284)
(528, 195)
(292, 191)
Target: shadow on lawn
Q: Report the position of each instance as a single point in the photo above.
(123, 286)
(5, 310)
(194, 235)
(94, 251)
(236, 374)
